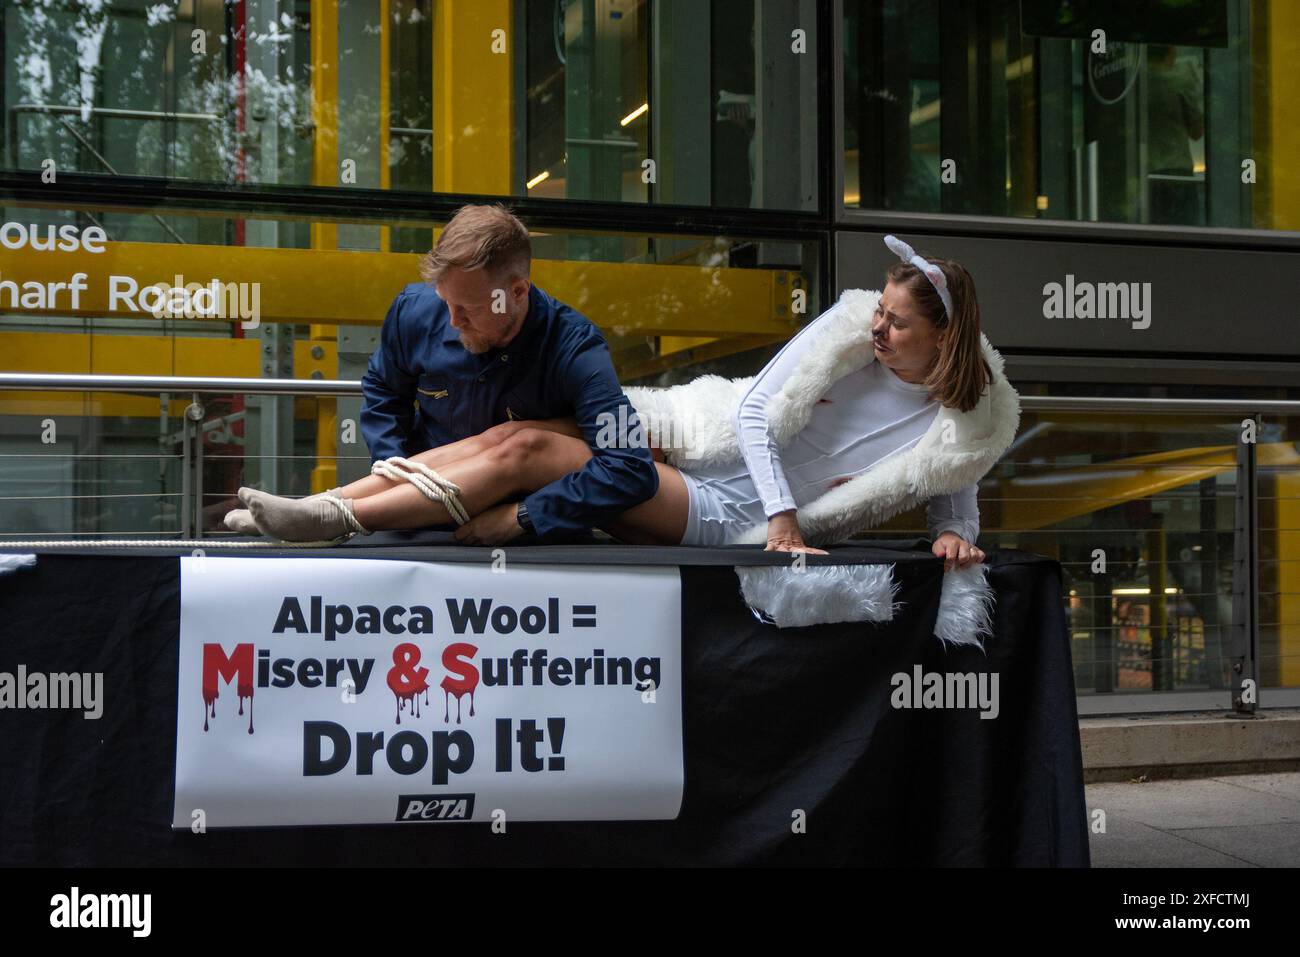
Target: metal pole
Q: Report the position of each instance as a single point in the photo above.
(1252, 496)
(187, 514)
(164, 447)
(196, 412)
(1245, 637)
(1163, 673)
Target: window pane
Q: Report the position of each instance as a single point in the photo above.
(1174, 112)
(681, 102)
(672, 102)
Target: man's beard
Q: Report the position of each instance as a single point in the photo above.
(475, 346)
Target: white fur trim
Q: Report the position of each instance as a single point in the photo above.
(12, 563)
(828, 594)
(965, 607)
(679, 421)
(819, 594)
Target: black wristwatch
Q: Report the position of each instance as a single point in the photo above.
(521, 516)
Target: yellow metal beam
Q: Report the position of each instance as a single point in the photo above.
(654, 299)
(1038, 501)
(1276, 91)
(331, 287)
(670, 344)
(1287, 547)
(325, 108)
(472, 96)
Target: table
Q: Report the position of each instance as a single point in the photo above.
(794, 754)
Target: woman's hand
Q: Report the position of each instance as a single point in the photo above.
(783, 535)
(956, 551)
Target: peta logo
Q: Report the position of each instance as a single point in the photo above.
(102, 910)
(1100, 300)
(435, 807)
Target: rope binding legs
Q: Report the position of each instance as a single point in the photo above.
(434, 487)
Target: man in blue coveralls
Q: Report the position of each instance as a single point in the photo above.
(477, 345)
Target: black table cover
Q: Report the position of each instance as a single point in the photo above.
(775, 722)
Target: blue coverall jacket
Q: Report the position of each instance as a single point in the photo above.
(424, 389)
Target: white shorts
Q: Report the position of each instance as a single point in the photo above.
(713, 518)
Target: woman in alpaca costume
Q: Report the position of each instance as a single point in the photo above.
(886, 401)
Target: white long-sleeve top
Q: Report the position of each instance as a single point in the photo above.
(865, 417)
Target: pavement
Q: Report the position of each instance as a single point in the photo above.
(1233, 820)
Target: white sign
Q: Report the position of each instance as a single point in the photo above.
(342, 691)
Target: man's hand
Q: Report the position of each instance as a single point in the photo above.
(956, 551)
(783, 535)
(494, 526)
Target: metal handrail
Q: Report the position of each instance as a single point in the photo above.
(220, 385)
(57, 109)
(1243, 630)
(1063, 403)
(192, 385)
(112, 111)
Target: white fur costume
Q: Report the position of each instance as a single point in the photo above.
(695, 424)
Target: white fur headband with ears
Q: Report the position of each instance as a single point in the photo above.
(932, 272)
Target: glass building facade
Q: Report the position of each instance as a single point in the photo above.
(1028, 115)
(702, 177)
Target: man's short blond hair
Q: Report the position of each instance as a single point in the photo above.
(481, 237)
